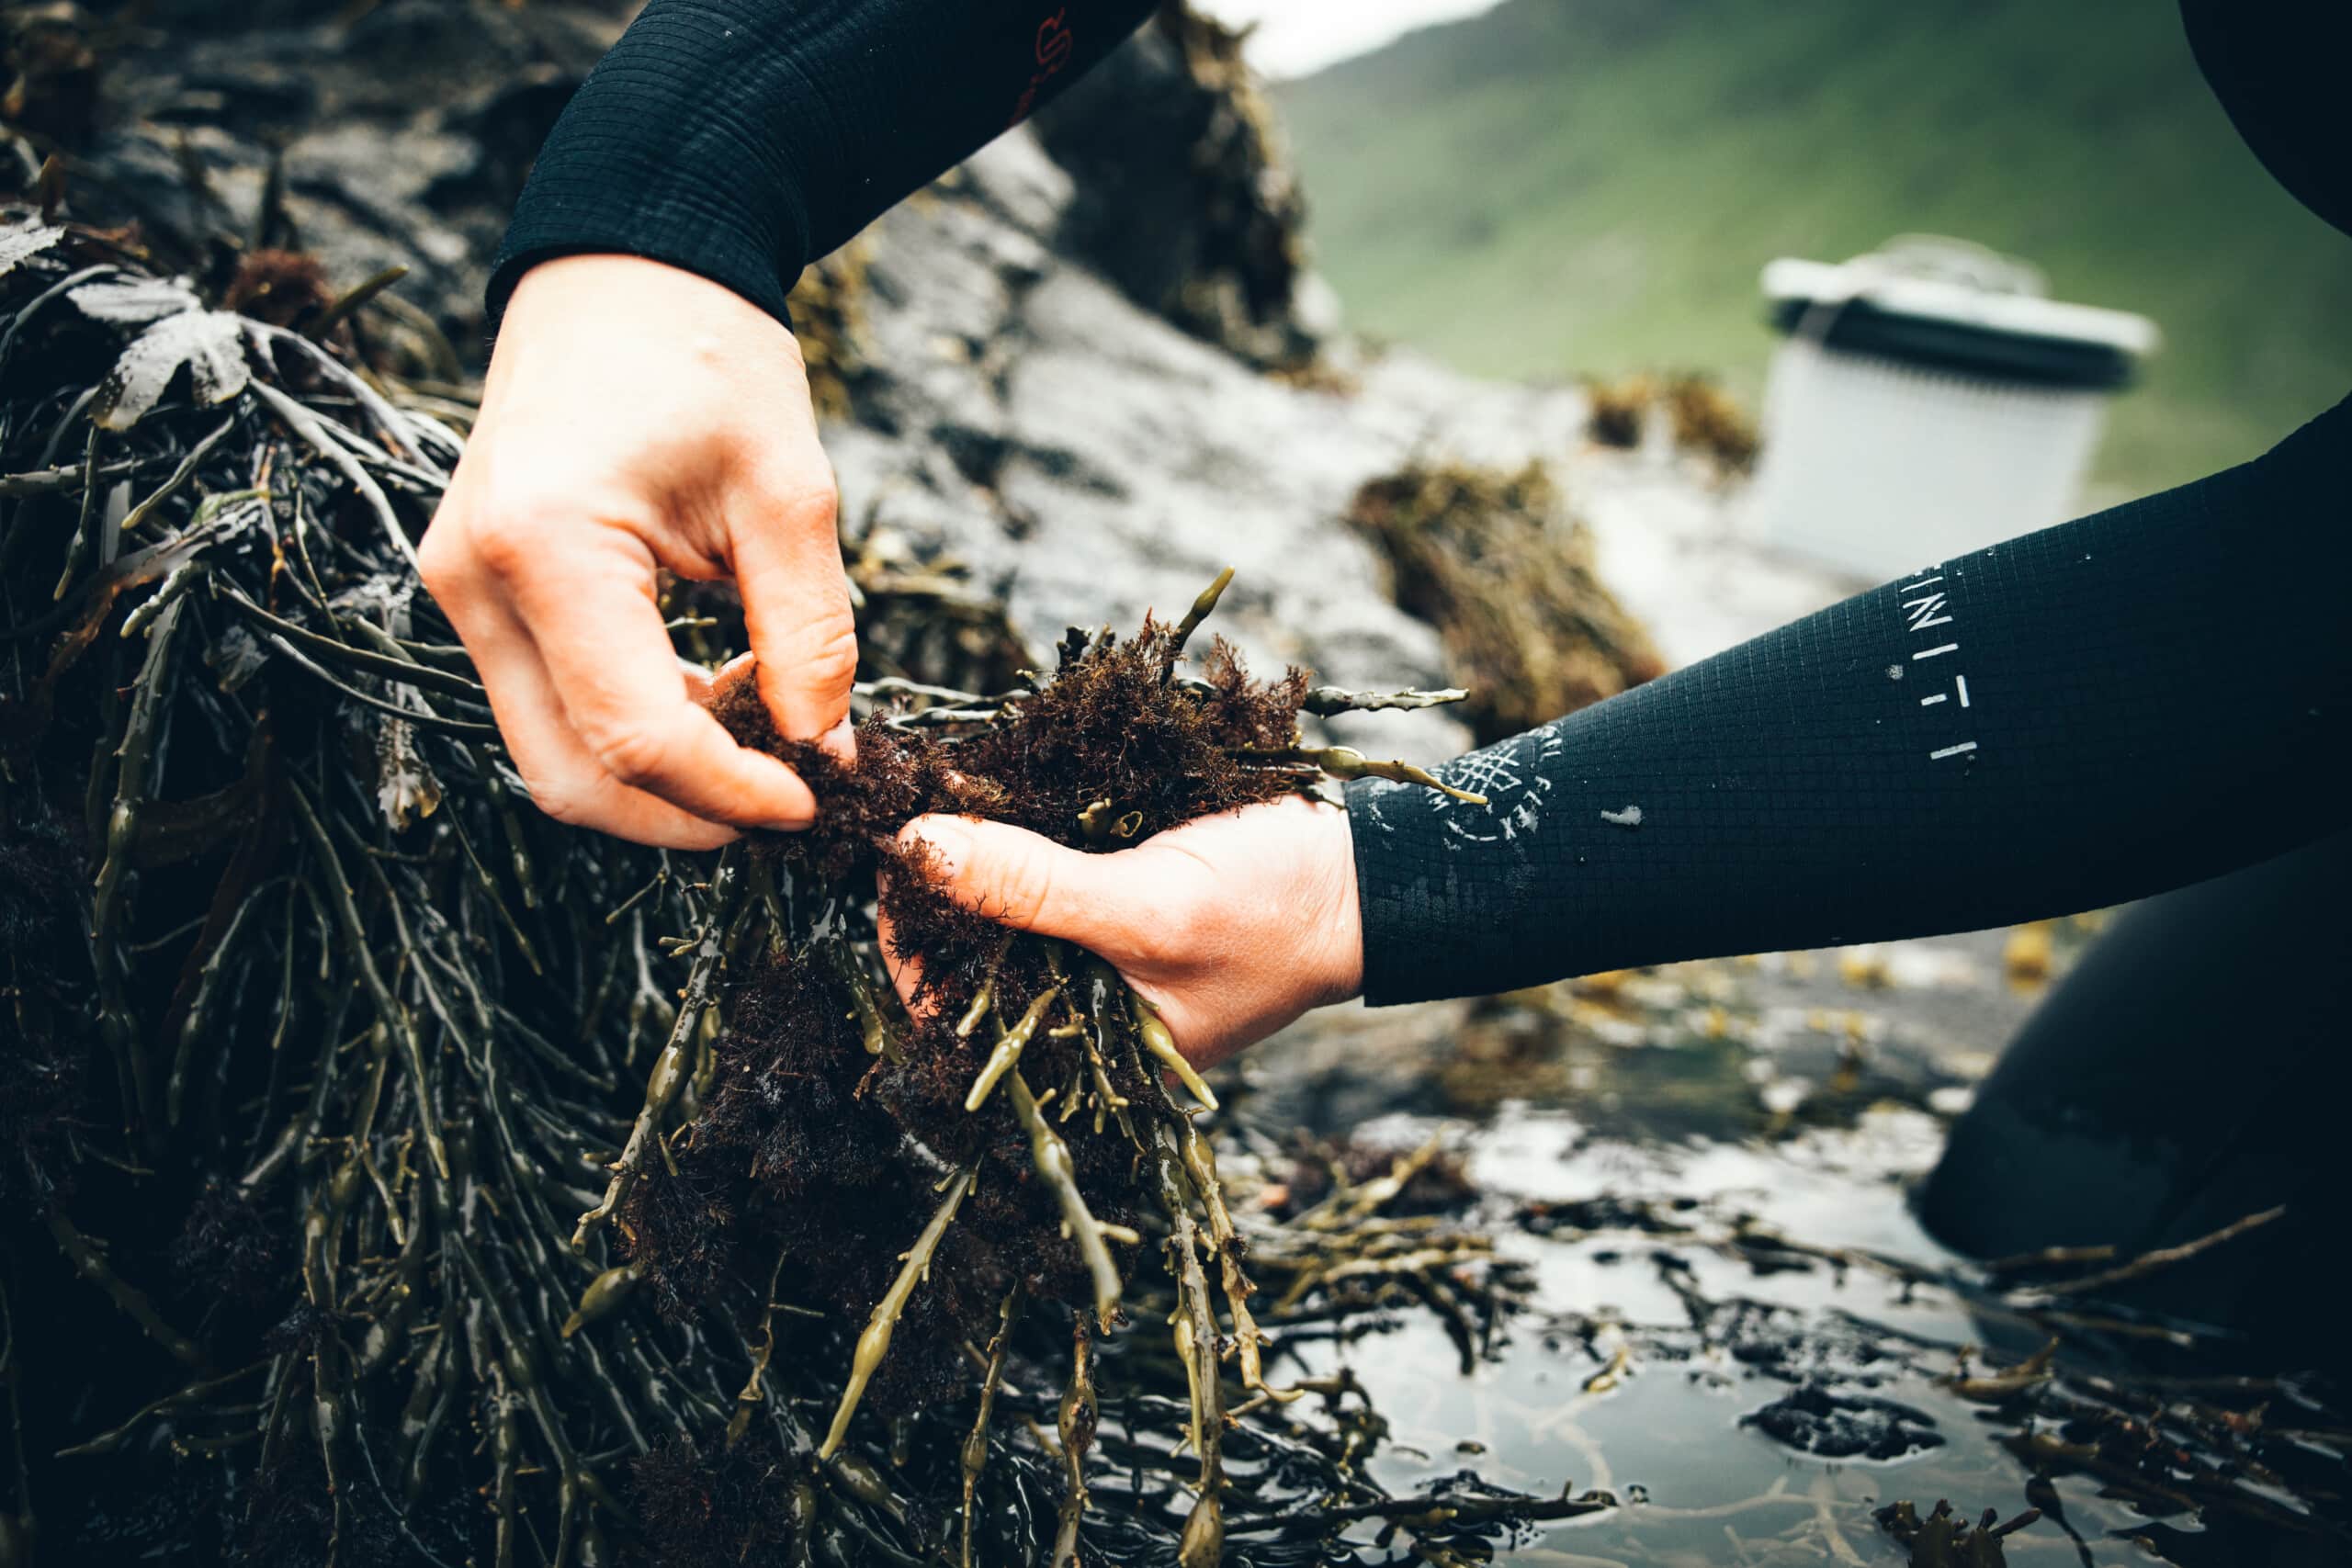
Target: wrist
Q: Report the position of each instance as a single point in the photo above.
(624, 286)
(661, 335)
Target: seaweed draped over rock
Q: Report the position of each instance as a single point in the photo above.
(397, 1175)
(1207, 225)
(1495, 560)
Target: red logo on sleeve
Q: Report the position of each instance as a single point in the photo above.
(1056, 42)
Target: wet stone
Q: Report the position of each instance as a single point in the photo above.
(1813, 1420)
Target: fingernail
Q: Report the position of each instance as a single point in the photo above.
(738, 667)
(785, 790)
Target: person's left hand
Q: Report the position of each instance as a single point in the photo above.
(1230, 927)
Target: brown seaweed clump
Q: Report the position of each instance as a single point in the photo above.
(1944, 1540)
(286, 288)
(1016, 1124)
(1496, 563)
(1617, 412)
(1707, 420)
(1700, 418)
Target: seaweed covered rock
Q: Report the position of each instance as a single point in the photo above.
(368, 138)
(397, 1175)
(1816, 1420)
(1495, 560)
(321, 1043)
(51, 64)
(1186, 197)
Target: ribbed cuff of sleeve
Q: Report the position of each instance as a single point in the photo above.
(752, 275)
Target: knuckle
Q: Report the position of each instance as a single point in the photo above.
(830, 657)
(512, 543)
(636, 754)
(797, 513)
(816, 505)
(557, 800)
(801, 494)
(437, 557)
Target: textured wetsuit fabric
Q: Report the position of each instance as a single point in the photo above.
(744, 139)
(2101, 710)
(2278, 67)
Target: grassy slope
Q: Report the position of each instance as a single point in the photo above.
(1591, 187)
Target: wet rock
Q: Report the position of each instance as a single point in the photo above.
(1813, 1420)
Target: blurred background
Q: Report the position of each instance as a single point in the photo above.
(1567, 187)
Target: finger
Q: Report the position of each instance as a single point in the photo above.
(1027, 881)
(787, 566)
(591, 610)
(564, 780)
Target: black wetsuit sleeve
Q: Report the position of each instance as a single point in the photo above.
(2105, 709)
(744, 139)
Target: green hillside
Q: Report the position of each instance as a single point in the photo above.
(1571, 187)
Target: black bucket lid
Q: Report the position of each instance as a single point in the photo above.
(1953, 305)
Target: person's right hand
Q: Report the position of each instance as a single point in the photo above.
(636, 416)
(1229, 926)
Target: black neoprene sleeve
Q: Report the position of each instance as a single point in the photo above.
(2092, 713)
(744, 139)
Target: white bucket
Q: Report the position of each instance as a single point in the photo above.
(1928, 401)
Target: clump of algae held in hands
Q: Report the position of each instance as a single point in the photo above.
(1014, 1134)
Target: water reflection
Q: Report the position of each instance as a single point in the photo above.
(1702, 1172)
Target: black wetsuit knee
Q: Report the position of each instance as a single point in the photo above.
(2193, 1071)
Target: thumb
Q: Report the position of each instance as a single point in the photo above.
(1018, 878)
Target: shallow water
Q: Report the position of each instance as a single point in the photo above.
(1703, 1173)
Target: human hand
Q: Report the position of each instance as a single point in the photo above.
(1230, 926)
(638, 417)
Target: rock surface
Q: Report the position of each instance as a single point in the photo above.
(1813, 1420)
